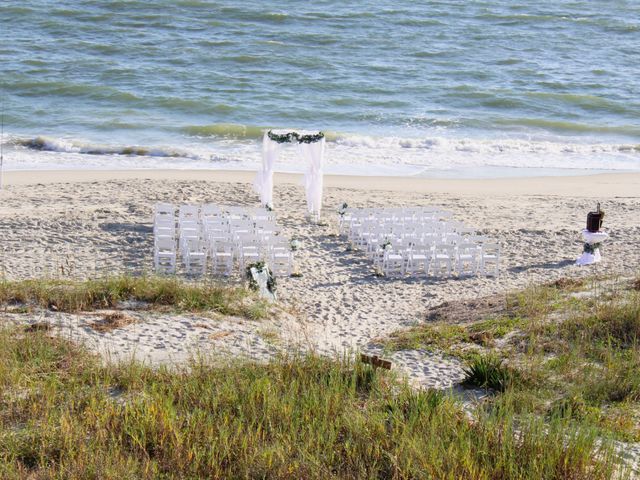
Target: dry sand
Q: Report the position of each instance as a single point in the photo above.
(83, 223)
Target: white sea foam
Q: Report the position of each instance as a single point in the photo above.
(345, 154)
(61, 145)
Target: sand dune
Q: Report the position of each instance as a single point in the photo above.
(82, 224)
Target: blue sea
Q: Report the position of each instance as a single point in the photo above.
(432, 88)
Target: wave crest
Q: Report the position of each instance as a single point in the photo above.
(46, 144)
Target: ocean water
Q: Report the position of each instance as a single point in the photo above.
(400, 87)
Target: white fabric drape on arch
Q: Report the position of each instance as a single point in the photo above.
(313, 153)
(263, 183)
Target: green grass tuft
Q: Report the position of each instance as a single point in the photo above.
(488, 371)
(153, 292)
(574, 354)
(65, 415)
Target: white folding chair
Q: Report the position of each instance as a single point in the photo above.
(249, 250)
(222, 258)
(210, 211)
(281, 262)
(195, 258)
(164, 255)
(443, 255)
(490, 259)
(164, 209)
(467, 256)
(188, 213)
(393, 262)
(419, 259)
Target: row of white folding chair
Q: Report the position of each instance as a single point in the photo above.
(193, 243)
(264, 232)
(251, 247)
(371, 243)
(164, 244)
(277, 255)
(209, 210)
(398, 211)
(412, 261)
(431, 247)
(239, 223)
(358, 232)
(409, 214)
(164, 231)
(442, 259)
(351, 223)
(421, 224)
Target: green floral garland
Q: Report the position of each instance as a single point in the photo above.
(295, 137)
(591, 248)
(260, 268)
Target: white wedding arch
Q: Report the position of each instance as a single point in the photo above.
(311, 148)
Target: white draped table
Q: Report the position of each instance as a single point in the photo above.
(591, 252)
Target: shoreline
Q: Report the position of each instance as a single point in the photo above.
(585, 186)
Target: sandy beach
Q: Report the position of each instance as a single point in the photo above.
(79, 224)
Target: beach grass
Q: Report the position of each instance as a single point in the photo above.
(568, 350)
(64, 414)
(148, 292)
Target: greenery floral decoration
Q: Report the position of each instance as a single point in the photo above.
(343, 209)
(291, 137)
(591, 247)
(261, 267)
(294, 245)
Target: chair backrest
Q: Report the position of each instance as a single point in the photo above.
(164, 209)
(443, 248)
(224, 246)
(248, 239)
(492, 249)
(192, 244)
(466, 231)
(165, 244)
(164, 222)
(164, 232)
(189, 212)
(452, 238)
(467, 248)
(190, 231)
(479, 239)
(211, 210)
